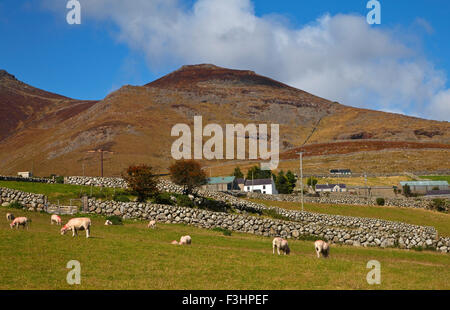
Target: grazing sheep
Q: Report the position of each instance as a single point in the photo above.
(174, 242)
(10, 217)
(20, 221)
(280, 244)
(152, 224)
(76, 224)
(108, 223)
(55, 219)
(185, 240)
(322, 247)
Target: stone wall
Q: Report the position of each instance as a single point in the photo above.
(346, 199)
(20, 179)
(338, 229)
(96, 181)
(33, 202)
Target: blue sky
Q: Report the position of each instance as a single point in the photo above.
(324, 47)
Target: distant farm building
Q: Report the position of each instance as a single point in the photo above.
(331, 188)
(439, 194)
(26, 174)
(221, 184)
(340, 171)
(422, 187)
(264, 186)
(240, 184)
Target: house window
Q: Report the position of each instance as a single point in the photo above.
(264, 192)
(264, 187)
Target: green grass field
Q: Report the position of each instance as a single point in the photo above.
(439, 220)
(134, 257)
(437, 177)
(60, 192)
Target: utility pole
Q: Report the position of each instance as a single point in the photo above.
(101, 151)
(301, 175)
(252, 181)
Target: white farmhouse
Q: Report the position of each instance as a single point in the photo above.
(25, 174)
(264, 186)
(331, 188)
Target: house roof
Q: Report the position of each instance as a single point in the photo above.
(221, 180)
(258, 182)
(325, 186)
(424, 183)
(440, 192)
(240, 181)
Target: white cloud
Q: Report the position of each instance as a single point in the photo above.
(340, 57)
(440, 106)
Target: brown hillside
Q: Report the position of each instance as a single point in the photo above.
(53, 134)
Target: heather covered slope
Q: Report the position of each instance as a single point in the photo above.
(135, 122)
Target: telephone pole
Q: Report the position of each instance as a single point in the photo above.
(101, 151)
(301, 175)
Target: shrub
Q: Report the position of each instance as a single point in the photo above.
(16, 205)
(142, 181)
(163, 199)
(115, 220)
(214, 205)
(380, 201)
(274, 214)
(59, 179)
(439, 205)
(99, 195)
(185, 201)
(121, 198)
(187, 173)
(225, 232)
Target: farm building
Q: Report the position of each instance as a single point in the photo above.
(240, 184)
(422, 187)
(341, 171)
(221, 184)
(264, 186)
(439, 194)
(25, 174)
(331, 188)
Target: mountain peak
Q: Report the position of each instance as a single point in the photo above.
(5, 74)
(190, 76)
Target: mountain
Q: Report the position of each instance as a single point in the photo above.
(53, 134)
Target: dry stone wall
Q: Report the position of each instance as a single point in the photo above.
(248, 219)
(332, 199)
(338, 229)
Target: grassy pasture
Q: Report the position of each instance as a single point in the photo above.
(60, 192)
(439, 220)
(133, 257)
(437, 177)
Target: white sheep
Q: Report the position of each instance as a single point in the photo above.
(280, 244)
(20, 221)
(152, 224)
(108, 223)
(185, 240)
(322, 247)
(55, 219)
(76, 224)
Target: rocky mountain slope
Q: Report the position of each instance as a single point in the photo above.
(52, 134)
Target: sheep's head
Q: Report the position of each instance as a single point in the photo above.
(287, 250)
(11, 225)
(64, 229)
